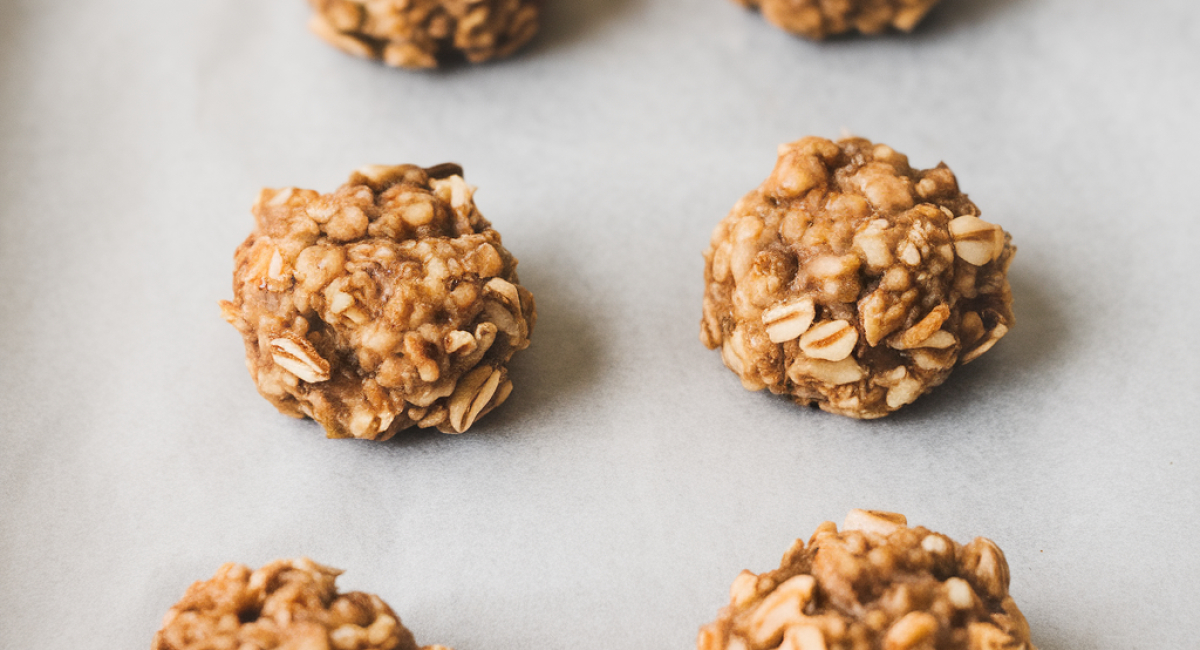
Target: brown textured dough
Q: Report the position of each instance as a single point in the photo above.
(852, 281)
(386, 304)
(820, 18)
(877, 585)
(287, 604)
(425, 33)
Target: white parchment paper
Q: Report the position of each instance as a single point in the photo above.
(612, 500)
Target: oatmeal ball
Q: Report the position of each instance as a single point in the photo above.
(820, 18)
(852, 281)
(388, 303)
(287, 604)
(424, 33)
(877, 585)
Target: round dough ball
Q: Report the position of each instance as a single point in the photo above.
(876, 584)
(852, 281)
(817, 19)
(426, 33)
(386, 304)
(285, 604)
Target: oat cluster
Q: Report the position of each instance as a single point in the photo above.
(386, 304)
(287, 604)
(852, 281)
(425, 33)
(818, 19)
(877, 585)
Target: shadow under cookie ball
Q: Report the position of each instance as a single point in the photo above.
(387, 304)
(818, 19)
(853, 281)
(426, 33)
(285, 605)
(876, 584)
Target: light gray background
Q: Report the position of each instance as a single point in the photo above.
(612, 500)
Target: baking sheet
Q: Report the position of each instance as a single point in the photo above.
(613, 499)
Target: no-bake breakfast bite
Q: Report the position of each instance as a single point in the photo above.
(386, 304)
(426, 33)
(852, 281)
(285, 605)
(818, 19)
(875, 585)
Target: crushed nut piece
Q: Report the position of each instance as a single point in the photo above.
(369, 321)
(426, 33)
(846, 280)
(817, 19)
(287, 604)
(976, 240)
(878, 584)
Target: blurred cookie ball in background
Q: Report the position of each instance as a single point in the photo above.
(285, 605)
(818, 19)
(426, 33)
(876, 584)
